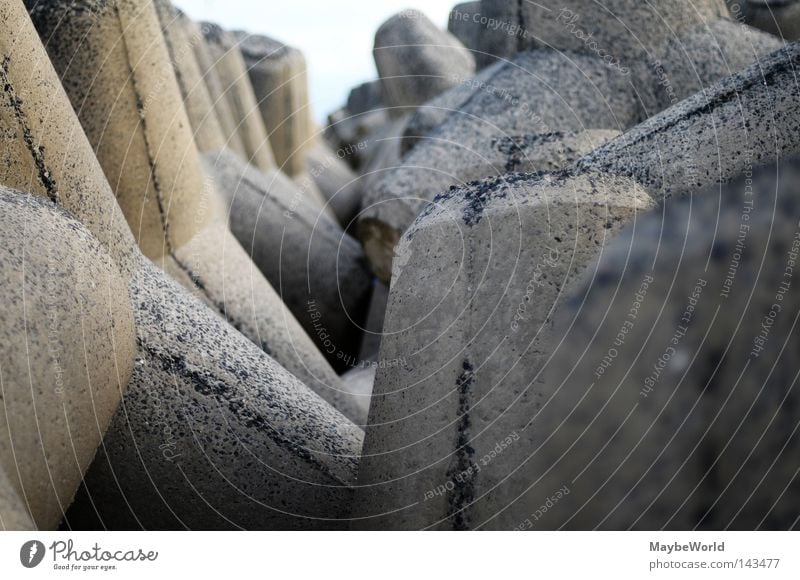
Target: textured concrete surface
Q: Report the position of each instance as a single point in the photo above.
(208, 132)
(552, 94)
(232, 72)
(225, 374)
(44, 149)
(67, 336)
(213, 434)
(365, 97)
(619, 31)
(278, 75)
(474, 283)
(544, 91)
(464, 23)
(178, 219)
(340, 185)
(318, 270)
(452, 262)
(679, 408)
(216, 90)
(416, 60)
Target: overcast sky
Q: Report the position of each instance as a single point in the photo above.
(335, 36)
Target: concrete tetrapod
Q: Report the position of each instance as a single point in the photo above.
(676, 409)
(208, 132)
(474, 352)
(232, 73)
(219, 374)
(139, 130)
(562, 92)
(336, 180)
(278, 75)
(206, 62)
(416, 61)
(318, 269)
(464, 23)
(68, 348)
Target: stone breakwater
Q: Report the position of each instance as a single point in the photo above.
(539, 274)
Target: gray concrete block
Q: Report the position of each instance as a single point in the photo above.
(464, 24)
(318, 270)
(208, 132)
(68, 344)
(278, 75)
(479, 381)
(175, 212)
(559, 93)
(213, 434)
(676, 410)
(217, 91)
(14, 515)
(416, 60)
(365, 97)
(232, 72)
(339, 184)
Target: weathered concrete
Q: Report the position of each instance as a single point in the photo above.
(621, 32)
(353, 133)
(365, 97)
(416, 61)
(232, 72)
(561, 92)
(474, 354)
(778, 17)
(319, 271)
(336, 180)
(235, 441)
(421, 177)
(68, 345)
(278, 75)
(464, 24)
(139, 130)
(208, 132)
(216, 90)
(427, 117)
(569, 98)
(189, 365)
(451, 310)
(14, 516)
(689, 421)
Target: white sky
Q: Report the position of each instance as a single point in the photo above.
(336, 36)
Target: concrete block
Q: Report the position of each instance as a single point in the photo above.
(142, 138)
(187, 364)
(559, 94)
(676, 410)
(318, 270)
(480, 382)
(416, 61)
(232, 72)
(68, 346)
(216, 90)
(213, 434)
(278, 75)
(208, 132)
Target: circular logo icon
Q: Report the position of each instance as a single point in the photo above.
(31, 553)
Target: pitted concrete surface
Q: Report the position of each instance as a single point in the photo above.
(67, 332)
